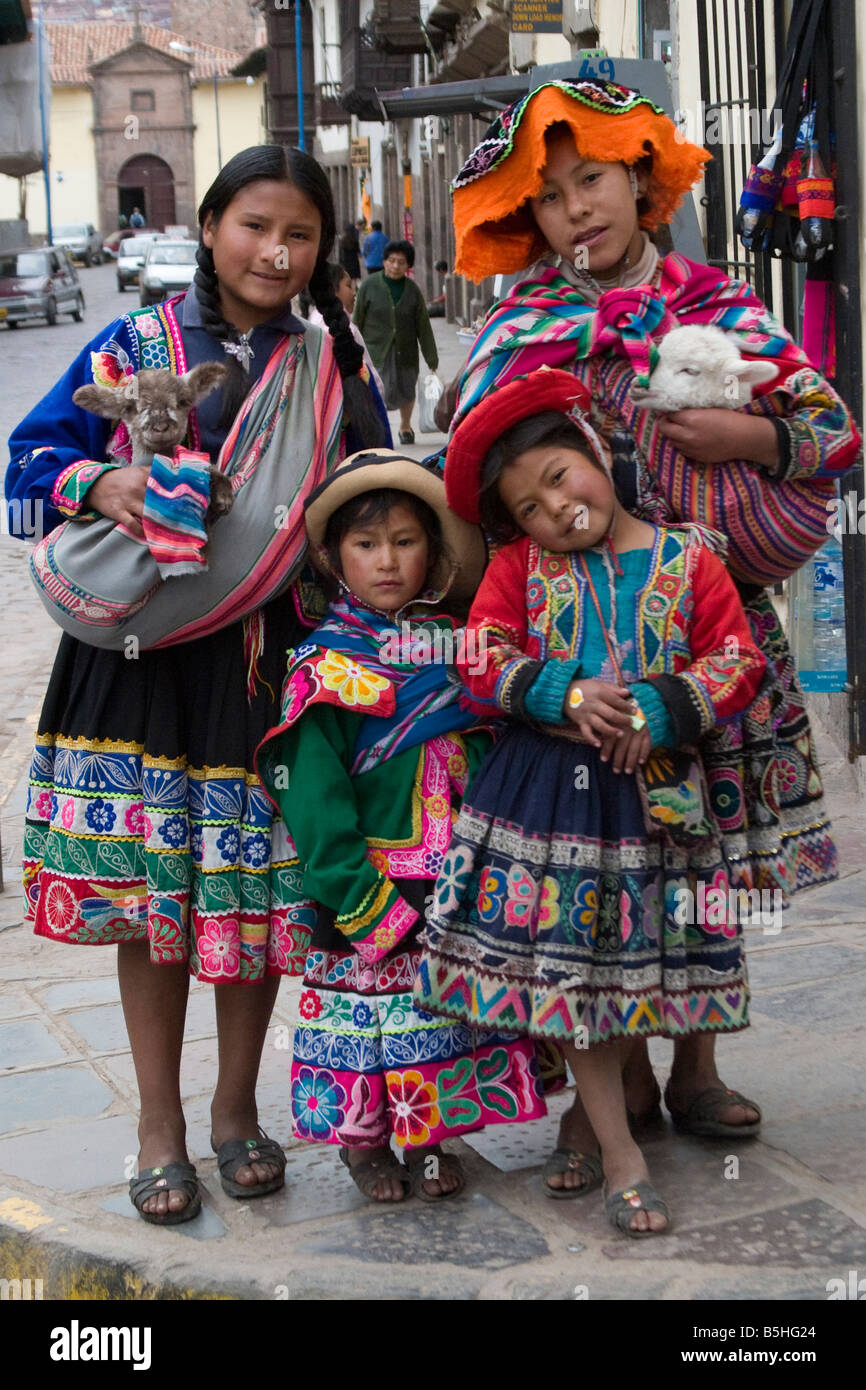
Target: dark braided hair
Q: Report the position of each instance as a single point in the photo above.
(285, 164)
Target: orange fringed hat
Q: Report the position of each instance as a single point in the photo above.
(495, 230)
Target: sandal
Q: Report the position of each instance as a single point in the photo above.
(367, 1175)
(179, 1177)
(566, 1161)
(407, 436)
(621, 1206)
(240, 1153)
(702, 1116)
(448, 1163)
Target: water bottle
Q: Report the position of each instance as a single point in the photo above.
(828, 610)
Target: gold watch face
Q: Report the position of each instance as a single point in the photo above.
(575, 697)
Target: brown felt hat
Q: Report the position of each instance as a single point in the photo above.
(374, 470)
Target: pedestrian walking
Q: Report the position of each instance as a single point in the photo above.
(371, 720)
(554, 909)
(147, 827)
(567, 188)
(350, 252)
(137, 219)
(374, 248)
(391, 314)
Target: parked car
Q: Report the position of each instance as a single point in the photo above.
(81, 240)
(130, 257)
(39, 283)
(169, 266)
(111, 244)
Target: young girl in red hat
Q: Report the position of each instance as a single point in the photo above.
(569, 906)
(573, 185)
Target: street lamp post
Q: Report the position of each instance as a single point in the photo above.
(188, 48)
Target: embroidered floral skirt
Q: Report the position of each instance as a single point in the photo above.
(145, 821)
(765, 787)
(369, 1063)
(556, 913)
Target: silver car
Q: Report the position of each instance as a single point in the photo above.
(40, 282)
(130, 257)
(169, 267)
(81, 240)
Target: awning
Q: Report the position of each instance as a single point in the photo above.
(476, 98)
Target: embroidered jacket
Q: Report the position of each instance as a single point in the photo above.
(694, 647)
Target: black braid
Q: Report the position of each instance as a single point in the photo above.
(236, 384)
(350, 358)
(286, 164)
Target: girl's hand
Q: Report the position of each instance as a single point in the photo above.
(119, 494)
(717, 436)
(628, 752)
(605, 710)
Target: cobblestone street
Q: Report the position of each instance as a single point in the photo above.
(779, 1223)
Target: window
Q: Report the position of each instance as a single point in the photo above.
(142, 101)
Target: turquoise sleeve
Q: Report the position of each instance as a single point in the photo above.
(545, 697)
(659, 722)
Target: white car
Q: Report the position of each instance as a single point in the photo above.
(169, 267)
(130, 257)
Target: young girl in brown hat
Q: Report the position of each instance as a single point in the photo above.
(573, 185)
(368, 766)
(613, 644)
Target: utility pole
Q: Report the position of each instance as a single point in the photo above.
(40, 50)
(299, 68)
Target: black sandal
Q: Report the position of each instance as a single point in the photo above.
(177, 1177)
(240, 1153)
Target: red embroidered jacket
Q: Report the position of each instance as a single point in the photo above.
(693, 641)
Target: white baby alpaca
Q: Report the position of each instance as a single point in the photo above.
(700, 366)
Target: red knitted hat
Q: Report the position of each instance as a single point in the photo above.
(544, 389)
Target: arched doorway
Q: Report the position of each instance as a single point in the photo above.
(146, 182)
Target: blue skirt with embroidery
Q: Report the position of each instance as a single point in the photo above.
(558, 914)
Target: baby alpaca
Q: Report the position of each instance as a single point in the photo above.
(700, 365)
(154, 405)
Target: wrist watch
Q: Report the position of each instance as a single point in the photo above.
(575, 697)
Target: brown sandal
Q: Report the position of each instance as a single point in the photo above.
(702, 1116)
(448, 1163)
(366, 1176)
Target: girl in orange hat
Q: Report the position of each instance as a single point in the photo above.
(570, 906)
(571, 184)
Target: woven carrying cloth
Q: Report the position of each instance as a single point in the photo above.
(772, 525)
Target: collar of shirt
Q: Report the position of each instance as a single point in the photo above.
(283, 322)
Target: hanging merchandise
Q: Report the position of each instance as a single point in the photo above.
(787, 205)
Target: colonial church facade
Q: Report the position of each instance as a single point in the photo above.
(141, 116)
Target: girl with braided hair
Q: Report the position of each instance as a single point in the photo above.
(147, 826)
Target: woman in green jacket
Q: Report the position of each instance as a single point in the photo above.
(392, 316)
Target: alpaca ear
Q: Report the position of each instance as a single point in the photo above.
(754, 373)
(203, 379)
(107, 401)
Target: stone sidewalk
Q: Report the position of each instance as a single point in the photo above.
(769, 1219)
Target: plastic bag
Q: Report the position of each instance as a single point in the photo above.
(430, 388)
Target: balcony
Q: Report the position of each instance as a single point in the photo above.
(328, 107)
(397, 26)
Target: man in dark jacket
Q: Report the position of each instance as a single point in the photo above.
(392, 316)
